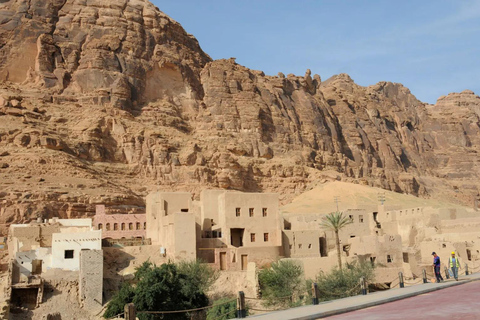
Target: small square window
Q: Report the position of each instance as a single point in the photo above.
(250, 212)
(309, 246)
(69, 254)
(237, 212)
(265, 237)
(389, 258)
(252, 237)
(264, 212)
(360, 218)
(350, 217)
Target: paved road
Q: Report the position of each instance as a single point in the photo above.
(459, 302)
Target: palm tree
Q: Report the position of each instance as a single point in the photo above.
(336, 221)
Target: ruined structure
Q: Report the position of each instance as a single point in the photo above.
(393, 239)
(228, 229)
(41, 252)
(231, 229)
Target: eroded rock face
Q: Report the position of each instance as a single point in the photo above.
(118, 52)
(104, 101)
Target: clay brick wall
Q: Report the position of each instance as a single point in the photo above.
(117, 226)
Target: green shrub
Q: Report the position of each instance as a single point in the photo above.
(118, 302)
(223, 309)
(168, 287)
(199, 276)
(282, 285)
(345, 282)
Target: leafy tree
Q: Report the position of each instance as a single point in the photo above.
(160, 289)
(199, 276)
(223, 309)
(117, 304)
(282, 284)
(344, 283)
(168, 287)
(336, 221)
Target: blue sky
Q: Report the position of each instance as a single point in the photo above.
(432, 46)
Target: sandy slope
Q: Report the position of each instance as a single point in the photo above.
(321, 199)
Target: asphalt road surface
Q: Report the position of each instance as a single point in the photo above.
(459, 302)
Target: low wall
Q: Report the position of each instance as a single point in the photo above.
(126, 242)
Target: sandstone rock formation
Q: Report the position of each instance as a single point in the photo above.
(104, 101)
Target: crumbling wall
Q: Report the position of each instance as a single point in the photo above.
(91, 279)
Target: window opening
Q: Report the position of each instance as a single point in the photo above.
(69, 254)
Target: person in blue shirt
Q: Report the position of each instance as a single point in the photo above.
(436, 267)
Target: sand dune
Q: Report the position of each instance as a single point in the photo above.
(321, 199)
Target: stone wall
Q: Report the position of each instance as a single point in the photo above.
(91, 279)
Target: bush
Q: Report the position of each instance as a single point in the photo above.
(282, 285)
(168, 287)
(160, 289)
(117, 304)
(199, 276)
(223, 309)
(341, 283)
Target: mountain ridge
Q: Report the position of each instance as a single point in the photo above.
(114, 100)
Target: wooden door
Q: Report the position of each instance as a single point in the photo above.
(244, 261)
(223, 261)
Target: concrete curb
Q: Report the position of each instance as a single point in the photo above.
(321, 314)
(378, 302)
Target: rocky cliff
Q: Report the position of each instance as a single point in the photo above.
(104, 101)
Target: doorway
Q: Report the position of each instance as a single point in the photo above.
(223, 261)
(323, 247)
(236, 237)
(244, 261)
(37, 266)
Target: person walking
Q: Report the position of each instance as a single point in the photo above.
(454, 263)
(436, 267)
